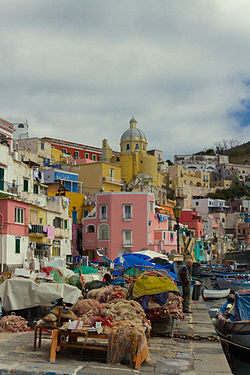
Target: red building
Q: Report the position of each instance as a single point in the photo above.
(76, 150)
(193, 220)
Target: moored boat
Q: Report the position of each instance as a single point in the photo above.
(234, 283)
(209, 294)
(234, 325)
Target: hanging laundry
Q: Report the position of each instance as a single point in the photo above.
(50, 232)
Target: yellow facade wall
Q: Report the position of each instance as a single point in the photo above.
(76, 200)
(180, 177)
(41, 219)
(136, 163)
(96, 177)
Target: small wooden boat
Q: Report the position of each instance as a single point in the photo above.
(235, 325)
(209, 294)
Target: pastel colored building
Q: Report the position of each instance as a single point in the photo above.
(6, 133)
(75, 150)
(68, 179)
(126, 222)
(99, 176)
(14, 219)
(139, 168)
(194, 221)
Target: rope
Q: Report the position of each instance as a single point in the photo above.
(233, 343)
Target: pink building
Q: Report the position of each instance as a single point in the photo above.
(126, 222)
(193, 220)
(14, 219)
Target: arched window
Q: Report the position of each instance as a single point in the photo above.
(137, 146)
(128, 146)
(90, 228)
(21, 126)
(103, 232)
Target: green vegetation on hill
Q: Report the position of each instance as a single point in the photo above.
(236, 192)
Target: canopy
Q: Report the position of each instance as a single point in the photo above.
(150, 285)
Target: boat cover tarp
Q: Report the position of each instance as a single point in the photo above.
(242, 305)
(150, 285)
(20, 293)
(135, 259)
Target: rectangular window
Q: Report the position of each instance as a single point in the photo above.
(127, 238)
(55, 251)
(65, 224)
(17, 245)
(111, 173)
(103, 212)
(25, 184)
(151, 206)
(40, 220)
(64, 150)
(94, 157)
(42, 146)
(86, 155)
(127, 211)
(35, 189)
(197, 203)
(99, 158)
(19, 215)
(76, 155)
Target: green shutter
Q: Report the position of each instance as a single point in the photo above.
(1, 179)
(65, 224)
(18, 245)
(25, 184)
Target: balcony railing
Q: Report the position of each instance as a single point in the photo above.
(36, 229)
(112, 180)
(8, 188)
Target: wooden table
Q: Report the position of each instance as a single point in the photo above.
(65, 338)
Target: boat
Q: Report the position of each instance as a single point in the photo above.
(233, 283)
(209, 294)
(234, 325)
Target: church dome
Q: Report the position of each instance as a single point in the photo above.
(133, 133)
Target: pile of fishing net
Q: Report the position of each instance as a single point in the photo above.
(13, 323)
(120, 310)
(90, 306)
(157, 308)
(108, 293)
(127, 338)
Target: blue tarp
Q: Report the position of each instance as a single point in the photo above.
(131, 260)
(242, 306)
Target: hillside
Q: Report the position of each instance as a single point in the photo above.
(239, 154)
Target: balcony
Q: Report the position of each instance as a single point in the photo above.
(112, 180)
(36, 229)
(7, 189)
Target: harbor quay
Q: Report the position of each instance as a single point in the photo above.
(193, 350)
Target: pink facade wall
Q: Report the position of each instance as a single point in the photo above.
(138, 224)
(147, 230)
(7, 213)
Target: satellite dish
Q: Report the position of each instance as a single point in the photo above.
(173, 252)
(100, 251)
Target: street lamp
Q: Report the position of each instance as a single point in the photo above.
(177, 214)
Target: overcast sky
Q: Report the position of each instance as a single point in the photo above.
(80, 69)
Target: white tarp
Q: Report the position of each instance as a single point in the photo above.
(19, 293)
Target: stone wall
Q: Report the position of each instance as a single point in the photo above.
(239, 256)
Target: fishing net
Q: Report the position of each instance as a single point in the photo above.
(107, 293)
(126, 338)
(120, 310)
(13, 323)
(83, 306)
